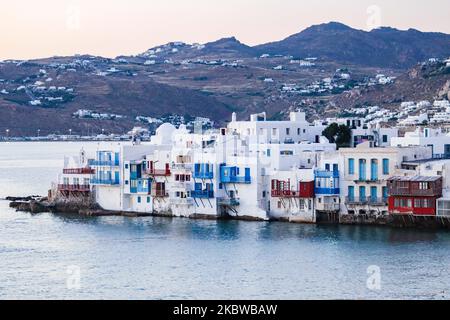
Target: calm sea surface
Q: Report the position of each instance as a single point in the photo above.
(49, 256)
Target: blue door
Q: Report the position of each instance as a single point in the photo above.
(351, 193)
(373, 194)
(362, 193)
(335, 168)
(247, 174)
(374, 170)
(385, 193)
(362, 169)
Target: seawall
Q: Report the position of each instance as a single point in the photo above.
(88, 208)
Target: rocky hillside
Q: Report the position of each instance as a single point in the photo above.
(426, 81)
(384, 47)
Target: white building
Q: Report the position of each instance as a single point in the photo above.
(435, 138)
(364, 172)
(294, 131)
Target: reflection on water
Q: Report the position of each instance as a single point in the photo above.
(170, 258)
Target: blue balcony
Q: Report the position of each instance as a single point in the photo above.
(141, 186)
(231, 175)
(327, 182)
(326, 174)
(328, 191)
(101, 163)
(105, 159)
(107, 182)
(203, 171)
(202, 194)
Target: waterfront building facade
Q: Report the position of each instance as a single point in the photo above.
(265, 170)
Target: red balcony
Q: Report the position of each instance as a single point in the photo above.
(79, 171)
(159, 194)
(74, 188)
(282, 189)
(159, 173)
(416, 186)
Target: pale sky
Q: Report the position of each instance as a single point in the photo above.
(34, 29)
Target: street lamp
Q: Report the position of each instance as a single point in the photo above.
(7, 134)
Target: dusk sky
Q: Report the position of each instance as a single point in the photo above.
(33, 29)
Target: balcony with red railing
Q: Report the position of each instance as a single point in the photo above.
(78, 171)
(159, 173)
(74, 188)
(152, 171)
(282, 189)
(415, 186)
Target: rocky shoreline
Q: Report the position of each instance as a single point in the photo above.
(38, 204)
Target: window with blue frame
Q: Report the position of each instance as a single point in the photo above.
(139, 199)
(385, 166)
(351, 166)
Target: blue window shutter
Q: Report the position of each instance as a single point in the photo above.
(351, 166)
(385, 166)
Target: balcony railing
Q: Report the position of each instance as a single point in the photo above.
(79, 171)
(326, 174)
(236, 179)
(202, 194)
(367, 181)
(414, 192)
(74, 188)
(366, 201)
(159, 172)
(182, 166)
(102, 163)
(109, 182)
(285, 194)
(203, 175)
(327, 191)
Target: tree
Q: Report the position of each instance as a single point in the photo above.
(339, 134)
